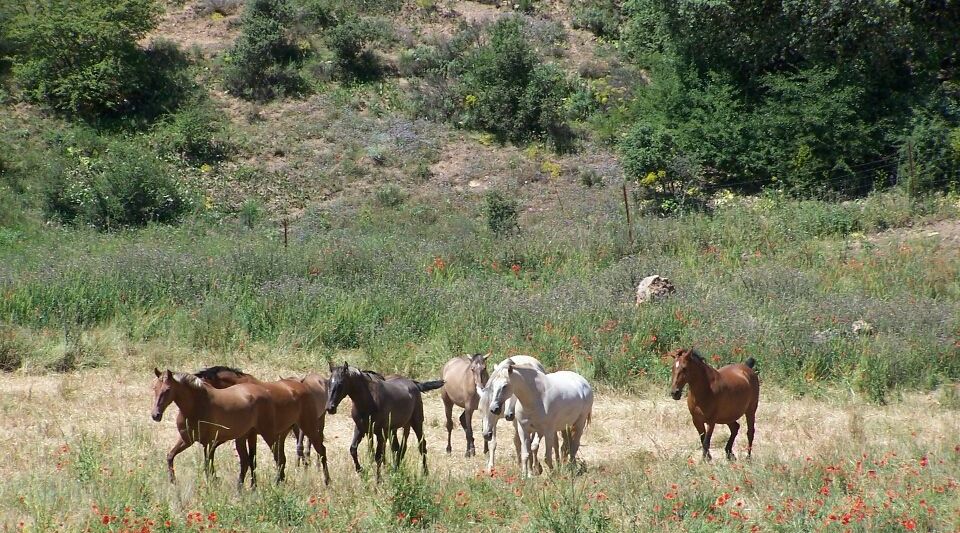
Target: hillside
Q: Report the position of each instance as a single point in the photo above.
(278, 184)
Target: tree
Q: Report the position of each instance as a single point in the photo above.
(81, 57)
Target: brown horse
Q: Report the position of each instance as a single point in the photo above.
(222, 377)
(462, 376)
(381, 407)
(717, 396)
(212, 416)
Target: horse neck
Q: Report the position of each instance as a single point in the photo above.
(362, 391)
(189, 400)
(528, 389)
(704, 376)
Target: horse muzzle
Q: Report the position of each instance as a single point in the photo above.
(157, 416)
(675, 394)
(332, 409)
(487, 435)
(496, 409)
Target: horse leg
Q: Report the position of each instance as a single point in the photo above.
(466, 422)
(178, 447)
(252, 453)
(534, 440)
(550, 438)
(751, 419)
(298, 436)
(705, 440)
(316, 440)
(208, 452)
(490, 448)
(448, 411)
(241, 445)
(357, 437)
(280, 457)
(417, 426)
(381, 437)
(403, 445)
(734, 429)
(524, 439)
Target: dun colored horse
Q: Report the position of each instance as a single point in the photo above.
(381, 407)
(462, 377)
(222, 377)
(717, 396)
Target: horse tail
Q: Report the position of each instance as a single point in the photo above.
(429, 385)
(751, 362)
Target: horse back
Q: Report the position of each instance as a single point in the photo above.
(459, 385)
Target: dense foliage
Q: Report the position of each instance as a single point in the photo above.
(818, 96)
(82, 58)
(508, 91)
(263, 61)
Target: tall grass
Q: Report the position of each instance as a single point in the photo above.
(777, 279)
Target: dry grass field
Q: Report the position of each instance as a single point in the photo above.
(83, 453)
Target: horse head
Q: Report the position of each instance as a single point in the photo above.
(498, 387)
(682, 359)
(162, 393)
(338, 387)
(478, 367)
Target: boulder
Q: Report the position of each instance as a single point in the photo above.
(654, 288)
(861, 327)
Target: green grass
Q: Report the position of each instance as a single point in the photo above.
(772, 278)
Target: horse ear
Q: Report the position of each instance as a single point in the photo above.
(510, 367)
(485, 357)
(156, 371)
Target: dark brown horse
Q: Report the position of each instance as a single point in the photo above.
(717, 396)
(381, 407)
(222, 377)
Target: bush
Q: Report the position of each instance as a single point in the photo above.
(669, 179)
(349, 40)
(122, 187)
(502, 213)
(196, 134)
(600, 17)
(507, 91)
(82, 58)
(933, 144)
(262, 64)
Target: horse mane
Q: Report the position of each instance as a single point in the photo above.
(696, 355)
(212, 372)
(375, 375)
(189, 380)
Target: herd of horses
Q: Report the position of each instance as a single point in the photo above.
(219, 404)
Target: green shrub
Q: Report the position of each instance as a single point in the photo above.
(349, 41)
(502, 213)
(600, 17)
(124, 186)
(82, 58)
(390, 195)
(251, 212)
(263, 63)
(933, 145)
(196, 134)
(669, 179)
(506, 90)
(419, 61)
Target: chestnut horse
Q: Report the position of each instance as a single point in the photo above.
(212, 416)
(381, 407)
(222, 377)
(462, 377)
(717, 396)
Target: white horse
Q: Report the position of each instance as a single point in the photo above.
(560, 401)
(511, 410)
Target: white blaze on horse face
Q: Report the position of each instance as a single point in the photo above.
(677, 364)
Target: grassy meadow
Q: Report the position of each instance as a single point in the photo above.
(278, 184)
(402, 288)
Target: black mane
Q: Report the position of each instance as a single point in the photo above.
(213, 371)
